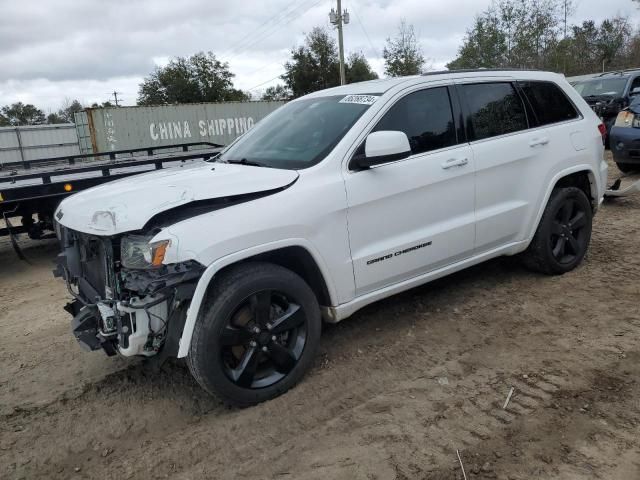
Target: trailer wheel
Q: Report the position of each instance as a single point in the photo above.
(562, 238)
(257, 334)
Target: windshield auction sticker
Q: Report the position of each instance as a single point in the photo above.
(360, 99)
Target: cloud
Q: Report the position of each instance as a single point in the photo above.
(52, 50)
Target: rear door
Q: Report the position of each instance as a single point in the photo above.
(570, 138)
(507, 157)
(414, 215)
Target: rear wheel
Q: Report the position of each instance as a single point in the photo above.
(563, 235)
(257, 335)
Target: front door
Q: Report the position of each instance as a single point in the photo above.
(415, 215)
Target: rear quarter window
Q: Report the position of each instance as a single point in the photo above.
(549, 103)
(494, 108)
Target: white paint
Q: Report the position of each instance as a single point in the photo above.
(127, 204)
(215, 127)
(152, 132)
(441, 219)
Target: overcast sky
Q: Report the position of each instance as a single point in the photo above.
(56, 49)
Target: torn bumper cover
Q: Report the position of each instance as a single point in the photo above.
(133, 312)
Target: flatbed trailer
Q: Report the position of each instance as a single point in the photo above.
(34, 188)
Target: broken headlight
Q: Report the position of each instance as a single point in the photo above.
(627, 118)
(137, 252)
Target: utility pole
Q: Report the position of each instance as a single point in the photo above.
(115, 97)
(338, 18)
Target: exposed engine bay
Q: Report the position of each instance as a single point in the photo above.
(124, 299)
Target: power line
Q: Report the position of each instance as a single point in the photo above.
(262, 68)
(364, 30)
(267, 81)
(288, 18)
(254, 32)
(255, 35)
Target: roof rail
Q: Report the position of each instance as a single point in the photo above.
(617, 72)
(476, 70)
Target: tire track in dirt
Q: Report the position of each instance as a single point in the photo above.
(394, 392)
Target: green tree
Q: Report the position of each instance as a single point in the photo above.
(54, 118)
(66, 113)
(278, 92)
(199, 78)
(513, 33)
(613, 39)
(314, 65)
(21, 114)
(485, 46)
(402, 54)
(357, 68)
(106, 104)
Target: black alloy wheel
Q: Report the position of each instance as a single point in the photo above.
(569, 236)
(256, 334)
(263, 339)
(563, 234)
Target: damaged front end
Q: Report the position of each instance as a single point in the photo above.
(125, 300)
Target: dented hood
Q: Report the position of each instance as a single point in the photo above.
(127, 204)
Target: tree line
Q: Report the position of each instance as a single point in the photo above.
(28, 114)
(537, 34)
(508, 34)
(312, 66)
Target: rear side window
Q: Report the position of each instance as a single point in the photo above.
(549, 102)
(494, 109)
(426, 117)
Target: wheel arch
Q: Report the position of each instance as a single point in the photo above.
(580, 176)
(298, 255)
(585, 180)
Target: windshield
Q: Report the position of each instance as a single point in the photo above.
(602, 86)
(299, 134)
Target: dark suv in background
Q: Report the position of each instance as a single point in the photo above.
(608, 93)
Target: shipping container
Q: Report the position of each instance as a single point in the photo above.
(18, 144)
(120, 128)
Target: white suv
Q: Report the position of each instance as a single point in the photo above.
(336, 200)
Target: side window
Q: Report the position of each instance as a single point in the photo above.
(426, 117)
(549, 102)
(635, 84)
(494, 109)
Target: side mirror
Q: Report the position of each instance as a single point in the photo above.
(382, 147)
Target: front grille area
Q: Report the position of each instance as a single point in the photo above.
(85, 259)
(93, 262)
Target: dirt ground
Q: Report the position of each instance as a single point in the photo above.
(396, 390)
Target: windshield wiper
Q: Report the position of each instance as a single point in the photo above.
(244, 161)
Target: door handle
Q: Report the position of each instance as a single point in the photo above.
(539, 141)
(455, 162)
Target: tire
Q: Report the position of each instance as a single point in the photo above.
(562, 238)
(627, 168)
(242, 349)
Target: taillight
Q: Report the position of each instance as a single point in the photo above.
(603, 131)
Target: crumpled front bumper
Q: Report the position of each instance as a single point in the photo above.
(85, 327)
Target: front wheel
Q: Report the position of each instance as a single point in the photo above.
(562, 238)
(257, 334)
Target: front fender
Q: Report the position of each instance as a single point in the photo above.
(216, 266)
